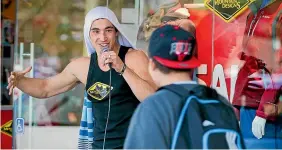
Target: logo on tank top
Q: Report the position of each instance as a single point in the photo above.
(99, 90)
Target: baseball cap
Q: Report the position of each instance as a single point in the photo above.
(173, 47)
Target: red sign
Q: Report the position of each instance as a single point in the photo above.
(6, 127)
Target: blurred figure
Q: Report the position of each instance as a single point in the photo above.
(219, 41)
(258, 81)
(5, 98)
(155, 19)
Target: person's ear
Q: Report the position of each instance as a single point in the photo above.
(152, 65)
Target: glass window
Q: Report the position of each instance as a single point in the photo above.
(241, 57)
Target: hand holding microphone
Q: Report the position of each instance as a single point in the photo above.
(106, 49)
(112, 59)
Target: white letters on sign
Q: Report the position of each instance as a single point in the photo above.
(218, 76)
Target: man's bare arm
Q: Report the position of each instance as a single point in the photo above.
(137, 76)
(43, 88)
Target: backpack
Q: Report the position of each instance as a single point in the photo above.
(218, 126)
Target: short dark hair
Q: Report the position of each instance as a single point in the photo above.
(167, 70)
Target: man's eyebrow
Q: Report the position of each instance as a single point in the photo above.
(109, 27)
(94, 28)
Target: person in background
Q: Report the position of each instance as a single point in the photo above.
(259, 81)
(167, 12)
(273, 109)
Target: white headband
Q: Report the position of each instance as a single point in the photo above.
(106, 13)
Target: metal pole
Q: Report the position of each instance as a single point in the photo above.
(20, 92)
(136, 7)
(141, 12)
(30, 107)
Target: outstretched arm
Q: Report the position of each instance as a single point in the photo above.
(43, 88)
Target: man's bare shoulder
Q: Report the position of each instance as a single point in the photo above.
(136, 59)
(134, 54)
(79, 68)
(79, 63)
(80, 60)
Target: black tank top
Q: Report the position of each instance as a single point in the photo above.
(123, 103)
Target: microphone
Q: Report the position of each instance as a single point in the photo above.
(106, 49)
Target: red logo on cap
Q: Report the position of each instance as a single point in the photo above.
(181, 49)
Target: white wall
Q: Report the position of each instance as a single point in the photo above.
(49, 137)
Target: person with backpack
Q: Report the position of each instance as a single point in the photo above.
(181, 114)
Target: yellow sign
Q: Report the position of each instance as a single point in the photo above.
(7, 128)
(227, 9)
(99, 90)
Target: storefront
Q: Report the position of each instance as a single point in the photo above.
(48, 34)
